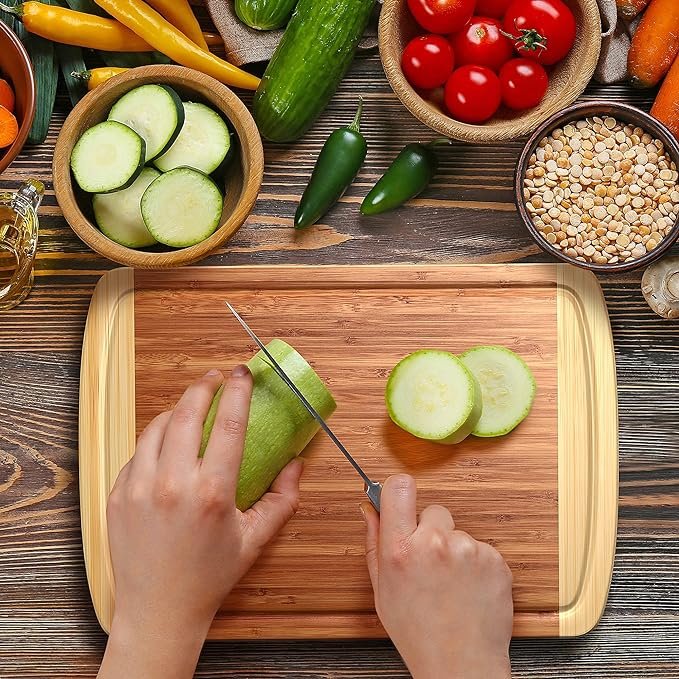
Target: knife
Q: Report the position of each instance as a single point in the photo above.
(373, 489)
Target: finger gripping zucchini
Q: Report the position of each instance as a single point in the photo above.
(312, 57)
(264, 15)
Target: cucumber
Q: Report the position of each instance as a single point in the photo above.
(279, 427)
(310, 61)
(182, 207)
(507, 386)
(202, 144)
(264, 15)
(432, 395)
(108, 157)
(118, 214)
(154, 112)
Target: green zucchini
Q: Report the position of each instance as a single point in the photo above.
(264, 15)
(310, 61)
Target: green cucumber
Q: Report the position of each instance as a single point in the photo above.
(507, 386)
(432, 395)
(279, 427)
(264, 15)
(310, 61)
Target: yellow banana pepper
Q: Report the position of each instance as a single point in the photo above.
(180, 15)
(164, 37)
(98, 76)
(77, 28)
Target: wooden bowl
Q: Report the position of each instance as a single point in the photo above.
(567, 80)
(243, 177)
(621, 112)
(15, 67)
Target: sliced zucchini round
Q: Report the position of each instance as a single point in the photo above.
(202, 144)
(182, 207)
(108, 157)
(433, 396)
(154, 112)
(507, 386)
(118, 214)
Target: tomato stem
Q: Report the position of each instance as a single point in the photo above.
(528, 38)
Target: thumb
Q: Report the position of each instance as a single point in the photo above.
(372, 521)
(265, 519)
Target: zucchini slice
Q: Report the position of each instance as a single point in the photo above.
(108, 157)
(203, 143)
(154, 112)
(433, 396)
(118, 214)
(507, 386)
(182, 207)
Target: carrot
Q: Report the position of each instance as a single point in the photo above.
(630, 8)
(655, 44)
(6, 95)
(666, 105)
(9, 128)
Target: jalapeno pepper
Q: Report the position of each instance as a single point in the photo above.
(406, 177)
(338, 163)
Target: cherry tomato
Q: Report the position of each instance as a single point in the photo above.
(524, 83)
(544, 29)
(442, 16)
(427, 61)
(492, 8)
(473, 94)
(481, 43)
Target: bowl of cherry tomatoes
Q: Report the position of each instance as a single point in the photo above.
(485, 71)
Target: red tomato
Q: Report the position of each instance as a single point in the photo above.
(473, 94)
(544, 29)
(492, 8)
(524, 83)
(442, 16)
(427, 61)
(481, 43)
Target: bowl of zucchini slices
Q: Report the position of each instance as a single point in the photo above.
(158, 167)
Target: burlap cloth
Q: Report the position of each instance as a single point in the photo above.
(246, 46)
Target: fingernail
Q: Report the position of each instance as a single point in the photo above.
(240, 371)
(213, 373)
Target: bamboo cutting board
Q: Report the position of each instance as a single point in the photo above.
(545, 495)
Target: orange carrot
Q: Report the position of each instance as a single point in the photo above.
(9, 128)
(666, 105)
(630, 8)
(6, 95)
(655, 44)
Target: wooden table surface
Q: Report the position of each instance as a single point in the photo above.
(47, 625)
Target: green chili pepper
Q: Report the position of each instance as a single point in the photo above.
(406, 177)
(338, 163)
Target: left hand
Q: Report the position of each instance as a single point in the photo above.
(178, 543)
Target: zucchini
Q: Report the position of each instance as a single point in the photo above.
(264, 15)
(432, 395)
(507, 386)
(154, 112)
(310, 61)
(182, 207)
(279, 427)
(108, 157)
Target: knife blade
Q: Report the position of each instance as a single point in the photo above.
(373, 489)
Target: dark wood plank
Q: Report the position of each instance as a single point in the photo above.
(47, 627)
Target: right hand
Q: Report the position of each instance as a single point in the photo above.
(444, 598)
